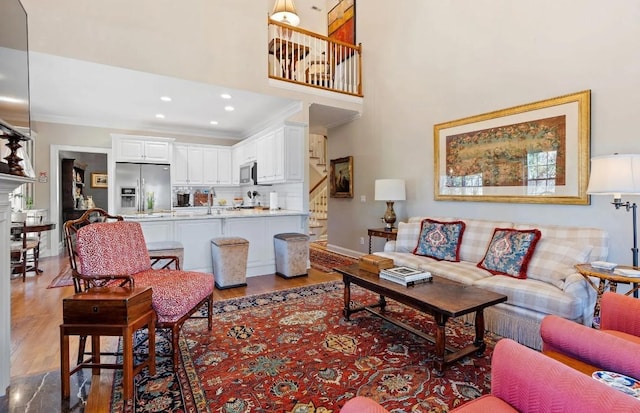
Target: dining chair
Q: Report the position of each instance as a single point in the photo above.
(104, 250)
(25, 251)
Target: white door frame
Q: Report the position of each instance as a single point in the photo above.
(55, 190)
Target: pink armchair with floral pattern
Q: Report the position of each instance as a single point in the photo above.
(107, 253)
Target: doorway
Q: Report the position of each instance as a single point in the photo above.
(97, 161)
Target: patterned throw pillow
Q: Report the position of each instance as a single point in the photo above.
(509, 252)
(440, 240)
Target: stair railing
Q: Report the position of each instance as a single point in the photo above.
(303, 57)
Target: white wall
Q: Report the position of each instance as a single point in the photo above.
(435, 61)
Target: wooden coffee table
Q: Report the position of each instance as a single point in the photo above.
(441, 298)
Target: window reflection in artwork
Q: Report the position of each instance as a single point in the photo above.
(529, 154)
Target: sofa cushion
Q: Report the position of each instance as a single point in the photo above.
(535, 295)
(407, 237)
(440, 240)
(553, 260)
(477, 234)
(510, 251)
(597, 238)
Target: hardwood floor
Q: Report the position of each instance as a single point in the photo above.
(36, 313)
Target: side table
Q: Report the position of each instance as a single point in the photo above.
(117, 311)
(382, 233)
(608, 279)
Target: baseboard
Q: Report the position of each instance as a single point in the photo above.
(344, 251)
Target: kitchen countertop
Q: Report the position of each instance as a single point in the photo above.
(216, 213)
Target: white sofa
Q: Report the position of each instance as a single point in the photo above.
(552, 285)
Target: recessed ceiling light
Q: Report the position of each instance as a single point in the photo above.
(159, 116)
(225, 96)
(214, 122)
(229, 108)
(165, 98)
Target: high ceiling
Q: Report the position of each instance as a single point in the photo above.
(78, 92)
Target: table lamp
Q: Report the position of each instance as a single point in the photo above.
(616, 175)
(390, 190)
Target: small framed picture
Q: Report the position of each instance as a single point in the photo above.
(99, 180)
(341, 178)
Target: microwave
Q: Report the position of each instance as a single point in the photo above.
(249, 173)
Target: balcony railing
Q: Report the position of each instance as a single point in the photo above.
(303, 57)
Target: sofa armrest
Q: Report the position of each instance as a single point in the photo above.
(592, 346)
(620, 312)
(575, 285)
(390, 246)
(551, 385)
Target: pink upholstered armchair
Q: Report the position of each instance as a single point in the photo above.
(614, 347)
(103, 253)
(524, 380)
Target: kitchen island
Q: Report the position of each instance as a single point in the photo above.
(194, 228)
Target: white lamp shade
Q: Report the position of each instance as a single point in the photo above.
(390, 190)
(284, 11)
(615, 174)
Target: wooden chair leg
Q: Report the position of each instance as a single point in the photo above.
(175, 334)
(82, 344)
(24, 265)
(210, 312)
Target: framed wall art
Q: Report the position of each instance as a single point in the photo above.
(342, 21)
(533, 153)
(341, 178)
(99, 180)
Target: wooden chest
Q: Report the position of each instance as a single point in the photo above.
(375, 263)
(114, 305)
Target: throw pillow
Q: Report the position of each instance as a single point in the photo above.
(440, 240)
(554, 259)
(509, 252)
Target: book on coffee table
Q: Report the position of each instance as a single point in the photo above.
(405, 275)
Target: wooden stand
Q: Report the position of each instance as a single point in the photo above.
(117, 311)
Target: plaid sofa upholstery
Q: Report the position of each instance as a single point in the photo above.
(552, 285)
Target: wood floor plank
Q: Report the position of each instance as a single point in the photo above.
(36, 314)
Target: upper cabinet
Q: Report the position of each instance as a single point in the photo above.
(130, 148)
(201, 165)
(217, 166)
(188, 163)
(280, 155)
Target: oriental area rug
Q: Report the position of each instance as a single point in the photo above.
(293, 351)
(324, 260)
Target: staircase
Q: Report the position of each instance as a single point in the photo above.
(318, 191)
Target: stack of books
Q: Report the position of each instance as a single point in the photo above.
(405, 276)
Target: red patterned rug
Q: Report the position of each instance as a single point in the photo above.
(324, 260)
(292, 351)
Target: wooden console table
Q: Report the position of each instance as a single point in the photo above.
(382, 233)
(118, 311)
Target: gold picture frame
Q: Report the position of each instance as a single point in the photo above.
(99, 180)
(341, 178)
(534, 153)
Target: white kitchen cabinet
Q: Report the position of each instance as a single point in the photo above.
(280, 155)
(217, 166)
(253, 230)
(195, 236)
(142, 149)
(188, 165)
(157, 231)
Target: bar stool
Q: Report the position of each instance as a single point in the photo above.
(292, 254)
(229, 256)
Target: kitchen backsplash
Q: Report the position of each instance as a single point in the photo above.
(288, 195)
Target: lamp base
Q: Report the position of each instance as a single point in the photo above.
(389, 216)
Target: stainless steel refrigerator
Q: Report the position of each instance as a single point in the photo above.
(137, 183)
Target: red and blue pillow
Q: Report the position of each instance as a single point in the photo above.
(510, 251)
(440, 240)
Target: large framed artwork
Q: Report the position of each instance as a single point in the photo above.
(533, 153)
(341, 178)
(342, 22)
